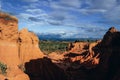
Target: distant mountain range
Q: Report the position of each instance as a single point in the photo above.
(58, 37)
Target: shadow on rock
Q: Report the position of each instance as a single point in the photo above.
(44, 69)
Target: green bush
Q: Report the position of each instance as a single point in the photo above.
(3, 68)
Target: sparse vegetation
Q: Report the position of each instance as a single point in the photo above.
(58, 46)
(3, 68)
(53, 46)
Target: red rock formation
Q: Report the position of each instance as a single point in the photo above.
(55, 57)
(100, 61)
(8, 27)
(78, 47)
(21, 48)
(110, 54)
(9, 47)
(84, 53)
(8, 39)
(28, 46)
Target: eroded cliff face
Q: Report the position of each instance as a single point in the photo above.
(19, 46)
(110, 55)
(28, 46)
(8, 39)
(8, 27)
(9, 48)
(84, 53)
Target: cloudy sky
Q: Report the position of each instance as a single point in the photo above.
(67, 18)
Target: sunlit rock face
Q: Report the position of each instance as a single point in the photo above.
(9, 49)
(84, 53)
(8, 39)
(8, 27)
(16, 46)
(28, 46)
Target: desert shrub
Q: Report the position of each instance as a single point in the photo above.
(3, 68)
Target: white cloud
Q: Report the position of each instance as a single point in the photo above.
(101, 4)
(71, 3)
(66, 5)
(110, 10)
(37, 12)
(113, 15)
(60, 10)
(96, 6)
(31, 6)
(30, 0)
(89, 11)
